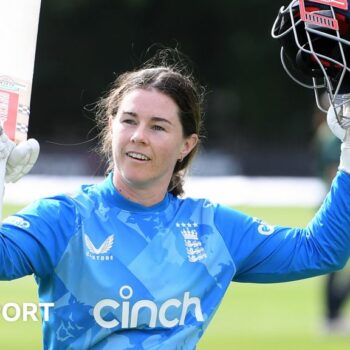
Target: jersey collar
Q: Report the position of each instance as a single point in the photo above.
(115, 198)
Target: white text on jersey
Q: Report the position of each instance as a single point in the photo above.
(157, 314)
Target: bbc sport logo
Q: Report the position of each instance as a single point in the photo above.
(12, 312)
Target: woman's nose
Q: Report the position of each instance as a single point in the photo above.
(139, 135)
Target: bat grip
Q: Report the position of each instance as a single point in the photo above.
(2, 185)
(6, 150)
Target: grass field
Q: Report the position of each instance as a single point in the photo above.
(252, 317)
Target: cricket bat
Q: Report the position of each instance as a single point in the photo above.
(19, 21)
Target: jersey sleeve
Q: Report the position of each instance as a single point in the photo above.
(34, 239)
(264, 253)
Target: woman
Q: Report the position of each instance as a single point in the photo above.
(129, 264)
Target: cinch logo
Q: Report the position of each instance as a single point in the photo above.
(130, 312)
(99, 253)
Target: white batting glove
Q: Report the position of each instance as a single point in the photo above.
(343, 133)
(21, 159)
(6, 146)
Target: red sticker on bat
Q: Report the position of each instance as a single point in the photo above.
(9, 101)
(14, 107)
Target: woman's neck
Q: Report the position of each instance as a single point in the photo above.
(146, 196)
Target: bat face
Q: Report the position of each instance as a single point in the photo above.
(18, 33)
(14, 107)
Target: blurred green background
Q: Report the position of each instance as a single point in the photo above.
(252, 106)
(252, 317)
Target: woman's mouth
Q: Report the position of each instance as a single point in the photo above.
(137, 156)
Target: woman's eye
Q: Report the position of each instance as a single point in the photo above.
(128, 121)
(158, 127)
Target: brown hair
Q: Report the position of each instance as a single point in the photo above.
(171, 80)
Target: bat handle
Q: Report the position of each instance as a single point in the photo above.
(5, 149)
(2, 185)
(3, 161)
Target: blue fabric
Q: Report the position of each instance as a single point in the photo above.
(124, 276)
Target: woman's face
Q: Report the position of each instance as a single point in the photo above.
(147, 140)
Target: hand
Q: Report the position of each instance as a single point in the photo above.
(334, 125)
(341, 129)
(6, 146)
(21, 158)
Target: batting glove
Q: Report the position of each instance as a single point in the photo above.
(342, 131)
(21, 158)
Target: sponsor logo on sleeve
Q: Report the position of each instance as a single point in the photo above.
(264, 228)
(17, 221)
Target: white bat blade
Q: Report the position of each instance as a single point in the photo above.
(18, 33)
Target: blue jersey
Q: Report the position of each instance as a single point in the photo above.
(125, 276)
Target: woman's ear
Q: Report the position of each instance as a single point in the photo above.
(189, 144)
